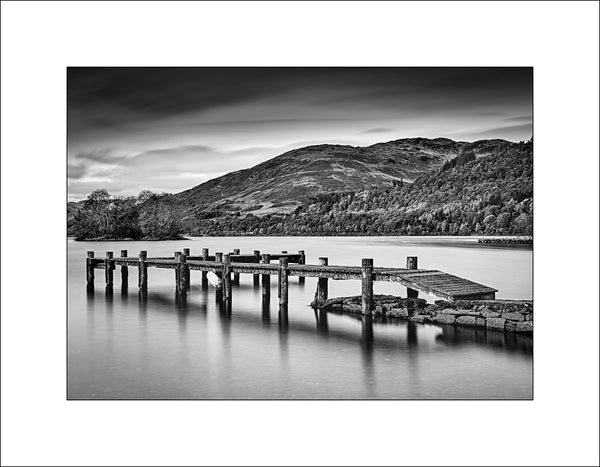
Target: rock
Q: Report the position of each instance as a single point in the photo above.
(352, 308)
(487, 313)
(510, 326)
(513, 316)
(398, 313)
(466, 320)
(452, 311)
(528, 317)
(524, 326)
(420, 318)
(495, 323)
(444, 319)
(480, 322)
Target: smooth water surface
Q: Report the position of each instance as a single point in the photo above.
(131, 347)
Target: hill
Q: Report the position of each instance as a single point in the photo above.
(465, 195)
(285, 182)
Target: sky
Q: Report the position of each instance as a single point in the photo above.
(169, 129)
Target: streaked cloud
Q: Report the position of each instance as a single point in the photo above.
(168, 129)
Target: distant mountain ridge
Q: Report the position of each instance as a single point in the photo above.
(285, 182)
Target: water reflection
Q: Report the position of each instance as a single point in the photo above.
(461, 336)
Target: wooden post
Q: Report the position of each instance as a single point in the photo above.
(226, 277)
(236, 275)
(186, 252)
(283, 281)
(204, 258)
(411, 263)
(322, 285)
(108, 269)
(219, 292)
(302, 260)
(89, 269)
(266, 278)
(183, 269)
(124, 273)
(143, 271)
(256, 260)
(367, 285)
(176, 256)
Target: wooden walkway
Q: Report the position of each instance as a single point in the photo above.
(228, 268)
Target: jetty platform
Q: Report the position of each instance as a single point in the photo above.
(228, 267)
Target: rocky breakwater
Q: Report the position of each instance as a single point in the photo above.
(500, 315)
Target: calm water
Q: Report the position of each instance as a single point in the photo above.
(124, 347)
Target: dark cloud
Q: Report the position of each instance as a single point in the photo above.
(171, 128)
(379, 130)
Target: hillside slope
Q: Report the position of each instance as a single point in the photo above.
(283, 183)
(467, 195)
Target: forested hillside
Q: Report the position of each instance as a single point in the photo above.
(468, 195)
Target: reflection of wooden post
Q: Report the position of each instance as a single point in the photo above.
(226, 277)
(283, 282)
(108, 269)
(411, 263)
(367, 285)
(236, 275)
(89, 269)
(256, 260)
(302, 260)
(322, 283)
(124, 272)
(204, 258)
(143, 271)
(266, 278)
(186, 252)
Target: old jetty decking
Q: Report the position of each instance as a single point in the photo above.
(228, 267)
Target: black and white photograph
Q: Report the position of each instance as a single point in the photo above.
(300, 233)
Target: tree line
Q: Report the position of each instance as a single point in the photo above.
(148, 216)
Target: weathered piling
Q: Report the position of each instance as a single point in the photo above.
(108, 269)
(176, 256)
(89, 269)
(266, 278)
(183, 269)
(204, 258)
(322, 286)
(411, 263)
(143, 271)
(226, 273)
(186, 252)
(124, 273)
(283, 282)
(302, 260)
(236, 275)
(256, 277)
(367, 285)
(219, 291)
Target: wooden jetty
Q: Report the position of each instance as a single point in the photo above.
(228, 268)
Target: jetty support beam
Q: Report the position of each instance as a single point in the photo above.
(124, 274)
(367, 285)
(236, 275)
(256, 277)
(186, 252)
(108, 269)
(89, 269)
(143, 271)
(204, 258)
(283, 284)
(183, 270)
(266, 278)
(322, 285)
(302, 260)
(411, 263)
